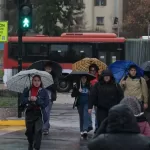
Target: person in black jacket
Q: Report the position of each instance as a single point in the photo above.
(52, 92)
(105, 94)
(119, 131)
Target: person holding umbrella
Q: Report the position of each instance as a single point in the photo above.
(52, 92)
(134, 85)
(81, 93)
(34, 100)
(54, 70)
(93, 69)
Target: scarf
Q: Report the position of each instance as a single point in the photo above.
(34, 91)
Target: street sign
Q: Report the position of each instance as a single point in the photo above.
(3, 31)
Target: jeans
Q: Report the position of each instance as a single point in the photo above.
(90, 119)
(84, 117)
(46, 126)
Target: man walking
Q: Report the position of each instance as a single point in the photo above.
(93, 69)
(52, 97)
(133, 85)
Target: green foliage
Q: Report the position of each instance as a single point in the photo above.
(1, 73)
(56, 16)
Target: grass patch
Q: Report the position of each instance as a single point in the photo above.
(8, 102)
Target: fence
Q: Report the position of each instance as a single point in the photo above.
(137, 50)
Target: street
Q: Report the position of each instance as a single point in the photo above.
(64, 132)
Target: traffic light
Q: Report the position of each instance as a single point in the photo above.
(25, 18)
(116, 20)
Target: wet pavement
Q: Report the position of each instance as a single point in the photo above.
(64, 133)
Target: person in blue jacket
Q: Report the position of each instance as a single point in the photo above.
(81, 93)
(35, 100)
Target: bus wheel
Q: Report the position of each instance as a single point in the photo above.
(64, 86)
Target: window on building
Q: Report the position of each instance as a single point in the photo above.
(100, 20)
(100, 2)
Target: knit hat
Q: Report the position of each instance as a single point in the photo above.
(133, 103)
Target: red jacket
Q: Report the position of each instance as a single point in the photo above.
(92, 82)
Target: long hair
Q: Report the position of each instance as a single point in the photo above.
(41, 85)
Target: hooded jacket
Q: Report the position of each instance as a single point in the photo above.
(119, 131)
(134, 105)
(105, 95)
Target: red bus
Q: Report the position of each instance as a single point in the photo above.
(66, 49)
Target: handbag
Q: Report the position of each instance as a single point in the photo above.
(75, 104)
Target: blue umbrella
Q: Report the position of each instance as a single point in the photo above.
(120, 69)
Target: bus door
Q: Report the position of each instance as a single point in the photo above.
(110, 52)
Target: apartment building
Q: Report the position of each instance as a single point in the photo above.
(100, 15)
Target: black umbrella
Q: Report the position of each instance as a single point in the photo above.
(76, 75)
(39, 65)
(146, 66)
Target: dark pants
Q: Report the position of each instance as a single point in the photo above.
(102, 114)
(34, 125)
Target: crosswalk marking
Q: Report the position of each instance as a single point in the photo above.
(9, 129)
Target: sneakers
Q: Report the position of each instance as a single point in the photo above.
(85, 133)
(46, 132)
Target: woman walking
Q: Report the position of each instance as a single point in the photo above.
(105, 94)
(81, 93)
(35, 100)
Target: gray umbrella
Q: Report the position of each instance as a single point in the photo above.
(23, 79)
(146, 66)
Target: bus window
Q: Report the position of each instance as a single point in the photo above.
(79, 51)
(35, 49)
(13, 50)
(57, 52)
(102, 56)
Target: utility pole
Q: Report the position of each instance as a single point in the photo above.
(149, 30)
(19, 53)
(24, 23)
(118, 28)
(116, 22)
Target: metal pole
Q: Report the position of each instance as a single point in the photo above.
(19, 55)
(148, 30)
(118, 28)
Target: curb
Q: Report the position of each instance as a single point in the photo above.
(12, 123)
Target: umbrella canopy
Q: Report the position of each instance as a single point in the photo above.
(23, 79)
(39, 65)
(76, 76)
(146, 66)
(120, 69)
(84, 64)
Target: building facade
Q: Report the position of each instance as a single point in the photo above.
(100, 15)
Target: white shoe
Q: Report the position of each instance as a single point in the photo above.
(85, 133)
(81, 133)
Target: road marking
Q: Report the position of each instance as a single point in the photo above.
(7, 130)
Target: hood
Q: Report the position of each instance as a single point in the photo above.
(133, 103)
(106, 73)
(121, 120)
